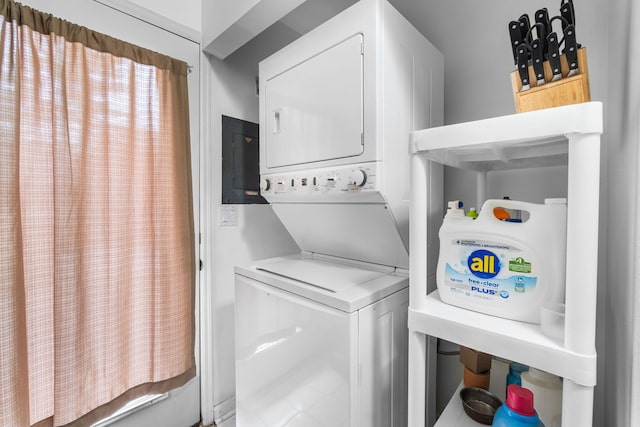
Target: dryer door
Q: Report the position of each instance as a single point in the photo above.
(314, 110)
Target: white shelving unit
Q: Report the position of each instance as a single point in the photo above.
(568, 135)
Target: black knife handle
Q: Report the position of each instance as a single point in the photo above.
(554, 55)
(516, 38)
(571, 49)
(525, 24)
(568, 13)
(542, 17)
(523, 65)
(537, 60)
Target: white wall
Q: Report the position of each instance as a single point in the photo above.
(621, 233)
(222, 14)
(230, 25)
(186, 12)
(474, 39)
(230, 90)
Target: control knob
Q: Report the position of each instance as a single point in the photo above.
(357, 178)
(265, 184)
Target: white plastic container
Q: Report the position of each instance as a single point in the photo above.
(552, 320)
(547, 394)
(499, 371)
(506, 269)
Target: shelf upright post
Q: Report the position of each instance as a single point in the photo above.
(581, 266)
(422, 348)
(418, 231)
(481, 189)
(417, 393)
(583, 189)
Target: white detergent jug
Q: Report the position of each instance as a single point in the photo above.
(504, 267)
(547, 394)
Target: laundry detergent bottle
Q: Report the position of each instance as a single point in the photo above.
(547, 390)
(515, 373)
(501, 265)
(517, 410)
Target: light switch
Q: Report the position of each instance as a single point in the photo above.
(228, 216)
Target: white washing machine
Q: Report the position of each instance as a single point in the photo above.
(321, 336)
(320, 342)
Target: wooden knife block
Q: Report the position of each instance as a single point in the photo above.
(568, 90)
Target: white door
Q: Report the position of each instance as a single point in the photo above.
(180, 408)
(314, 110)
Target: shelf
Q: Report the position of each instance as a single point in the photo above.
(567, 135)
(498, 143)
(505, 338)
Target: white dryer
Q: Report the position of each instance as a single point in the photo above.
(321, 336)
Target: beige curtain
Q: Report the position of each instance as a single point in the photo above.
(96, 222)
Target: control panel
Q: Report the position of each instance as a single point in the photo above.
(341, 181)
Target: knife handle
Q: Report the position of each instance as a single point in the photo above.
(537, 60)
(568, 13)
(516, 38)
(523, 65)
(554, 56)
(542, 17)
(525, 24)
(571, 49)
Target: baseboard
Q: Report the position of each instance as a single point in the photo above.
(224, 410)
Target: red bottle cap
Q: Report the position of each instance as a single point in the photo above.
(520, 400)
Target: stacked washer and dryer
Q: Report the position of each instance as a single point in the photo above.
(321, 335)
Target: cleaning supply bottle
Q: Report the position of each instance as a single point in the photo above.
(515, 373)
(504, 268)
(455, 211)
(472, 213)
(547, 390)
(517, 410)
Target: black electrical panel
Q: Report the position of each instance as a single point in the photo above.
(240, 162)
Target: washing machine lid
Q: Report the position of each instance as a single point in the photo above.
(342, 284)
(330, 276)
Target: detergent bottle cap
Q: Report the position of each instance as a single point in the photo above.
(520, 400)
(472, 213)
(455, 209)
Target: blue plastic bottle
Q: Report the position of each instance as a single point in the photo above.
(517, 410)
(515, 369)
